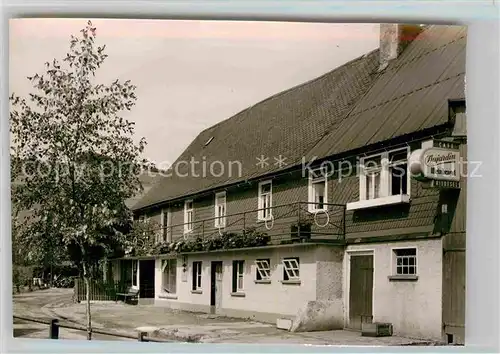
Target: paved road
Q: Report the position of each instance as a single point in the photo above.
(169, 324)
(41, 304)
(24, 329)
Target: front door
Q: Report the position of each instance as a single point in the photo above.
(147, 279)
(216, 286)
(360, 291)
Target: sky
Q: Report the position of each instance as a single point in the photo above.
(191, 75)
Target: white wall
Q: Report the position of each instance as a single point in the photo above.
(413, 307)
(273, 298)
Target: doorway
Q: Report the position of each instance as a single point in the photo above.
(360, 291)
(215, 286)
(147, 279)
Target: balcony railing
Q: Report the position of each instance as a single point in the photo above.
(284, 223)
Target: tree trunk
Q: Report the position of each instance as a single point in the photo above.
(86, 277)
(51, 275)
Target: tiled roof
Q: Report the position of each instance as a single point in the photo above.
(348, 108)
(410, 95)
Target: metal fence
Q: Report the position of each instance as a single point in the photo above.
(99, 290)
(284, 222)
(54, 326)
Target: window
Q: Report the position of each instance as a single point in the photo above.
(265, 201)
(188, 216)
(166, 217)
(220, 209)
(169, 276)
(238, 271)
(398, 172)
(196, 276)
(291, 268)
(406, 261)
(383, 180)
(135, 266)
(317, 190)
(372, 169)
(263, 269)
(384, 175)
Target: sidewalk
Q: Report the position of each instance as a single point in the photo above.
(203, 328)
(178, 325)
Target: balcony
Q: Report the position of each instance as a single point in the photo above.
(280, 224)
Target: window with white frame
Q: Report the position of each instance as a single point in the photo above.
(196, 282)
(291, 269)
(238, 273)
(265, 200)
(135, 266)
(372, 171)
(220, 209)
(169, 275)
(166, 232)
(405, 261)
(317, 190)
(188, 216)
(398, 172)
(384, 175)
(263, 269)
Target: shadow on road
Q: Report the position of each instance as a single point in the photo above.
(24, 332)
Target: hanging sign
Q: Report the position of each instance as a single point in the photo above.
(435, 163)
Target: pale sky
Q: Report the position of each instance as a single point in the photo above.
(192, 74)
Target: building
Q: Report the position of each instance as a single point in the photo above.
(303, 208)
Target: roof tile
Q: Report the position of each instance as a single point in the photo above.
(350, 107)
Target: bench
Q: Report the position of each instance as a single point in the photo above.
(132, 293)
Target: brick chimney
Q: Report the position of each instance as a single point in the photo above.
(394, 38)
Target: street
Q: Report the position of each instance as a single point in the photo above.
(167, 324)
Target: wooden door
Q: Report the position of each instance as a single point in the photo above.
(360, 291)
(454, 263)
(216, 286)
(454, 291)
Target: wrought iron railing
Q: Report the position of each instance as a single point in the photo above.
(286, 223)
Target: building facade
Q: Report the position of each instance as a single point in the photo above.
(358, 216)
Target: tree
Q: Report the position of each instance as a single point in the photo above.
(143, 237)
(21, 273)
(36, 244)
(76, 155)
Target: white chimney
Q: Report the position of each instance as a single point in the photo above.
(394, 38)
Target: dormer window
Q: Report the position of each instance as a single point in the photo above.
(383, 179)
